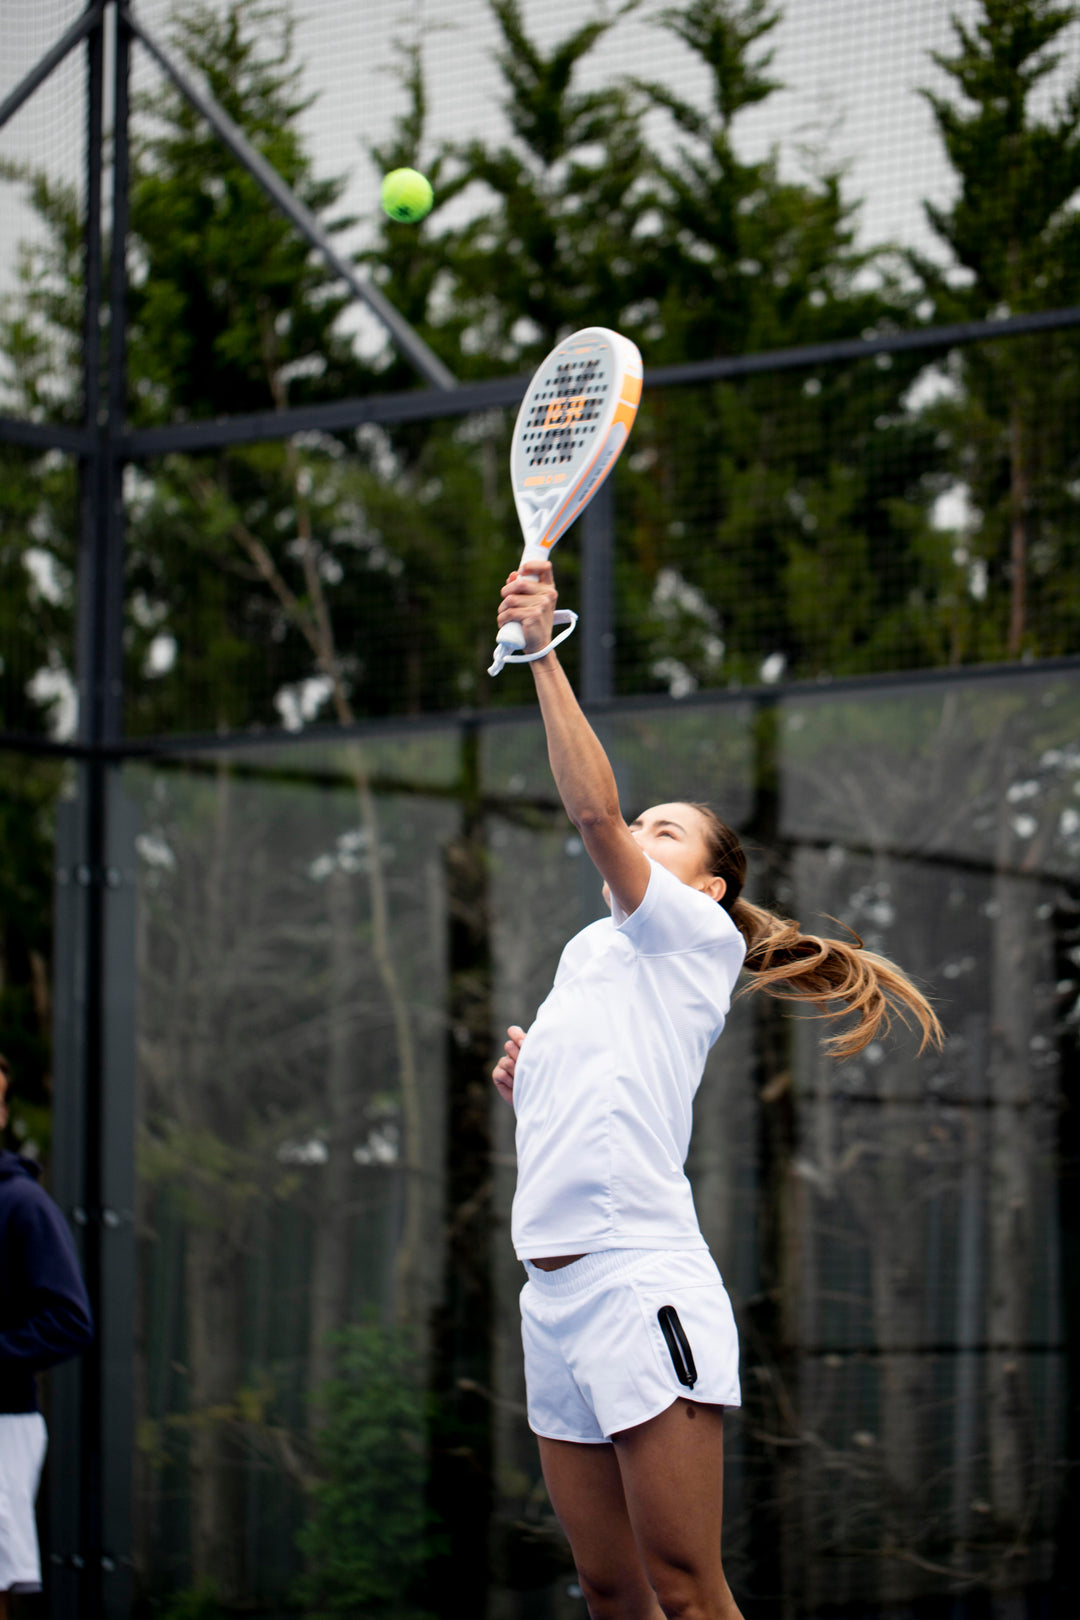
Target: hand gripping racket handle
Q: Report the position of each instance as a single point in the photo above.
(511, 635)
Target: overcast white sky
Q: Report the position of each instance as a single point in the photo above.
(851, 70)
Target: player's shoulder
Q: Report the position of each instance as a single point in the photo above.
(665, 889)
(669, 903)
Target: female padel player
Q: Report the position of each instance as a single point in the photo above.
(631, 1351)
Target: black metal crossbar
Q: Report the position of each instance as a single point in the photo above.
(414, 405)
(41, 70)
(407, 339)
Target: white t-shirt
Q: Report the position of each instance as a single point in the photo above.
(605, 1082)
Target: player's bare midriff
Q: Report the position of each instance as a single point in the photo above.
(556, 1262)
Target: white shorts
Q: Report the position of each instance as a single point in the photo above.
(22, 1453)
(614, 1338)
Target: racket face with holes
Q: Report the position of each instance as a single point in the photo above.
(572, 425)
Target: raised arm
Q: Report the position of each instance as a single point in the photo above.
(579, 765)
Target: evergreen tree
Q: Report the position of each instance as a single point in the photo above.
(744, 259)
(370, 1532)
(40, 343)
(413, 263)
(230, 310)
(29, 790)
(1013, 231)
(774, 523)
(555, 250)
(307, 566)
(433, 503)
(40, 346)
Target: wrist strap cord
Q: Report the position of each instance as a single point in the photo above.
(561, 616)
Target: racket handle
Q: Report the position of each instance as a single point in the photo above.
(511, 636)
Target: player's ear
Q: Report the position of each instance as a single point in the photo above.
(716, 888)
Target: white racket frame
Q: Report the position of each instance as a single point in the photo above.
(549, 501)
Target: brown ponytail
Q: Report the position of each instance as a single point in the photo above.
(794, 966)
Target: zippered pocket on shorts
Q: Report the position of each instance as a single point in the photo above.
(682, 1357)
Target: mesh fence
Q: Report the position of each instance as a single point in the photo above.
(46, 138)
(848, 79)
(317, 581)
(38, 520)
(338, 927)
(891, 1230)
(890, 513)
(42, 205)
(803, 525)
(792, 526)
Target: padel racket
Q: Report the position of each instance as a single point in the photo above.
(573, 422)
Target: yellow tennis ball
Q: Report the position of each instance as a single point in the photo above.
(406, 195)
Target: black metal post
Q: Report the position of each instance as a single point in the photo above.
(116, 939)
(112, 572)
(74, 1465)
(766, 1324)
(598, 596)
(64, 1575)
(92, 1453)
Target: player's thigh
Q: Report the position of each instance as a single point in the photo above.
(672, 1471)
(584, 1484)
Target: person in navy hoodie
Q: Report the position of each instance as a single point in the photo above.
(44, 1319)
